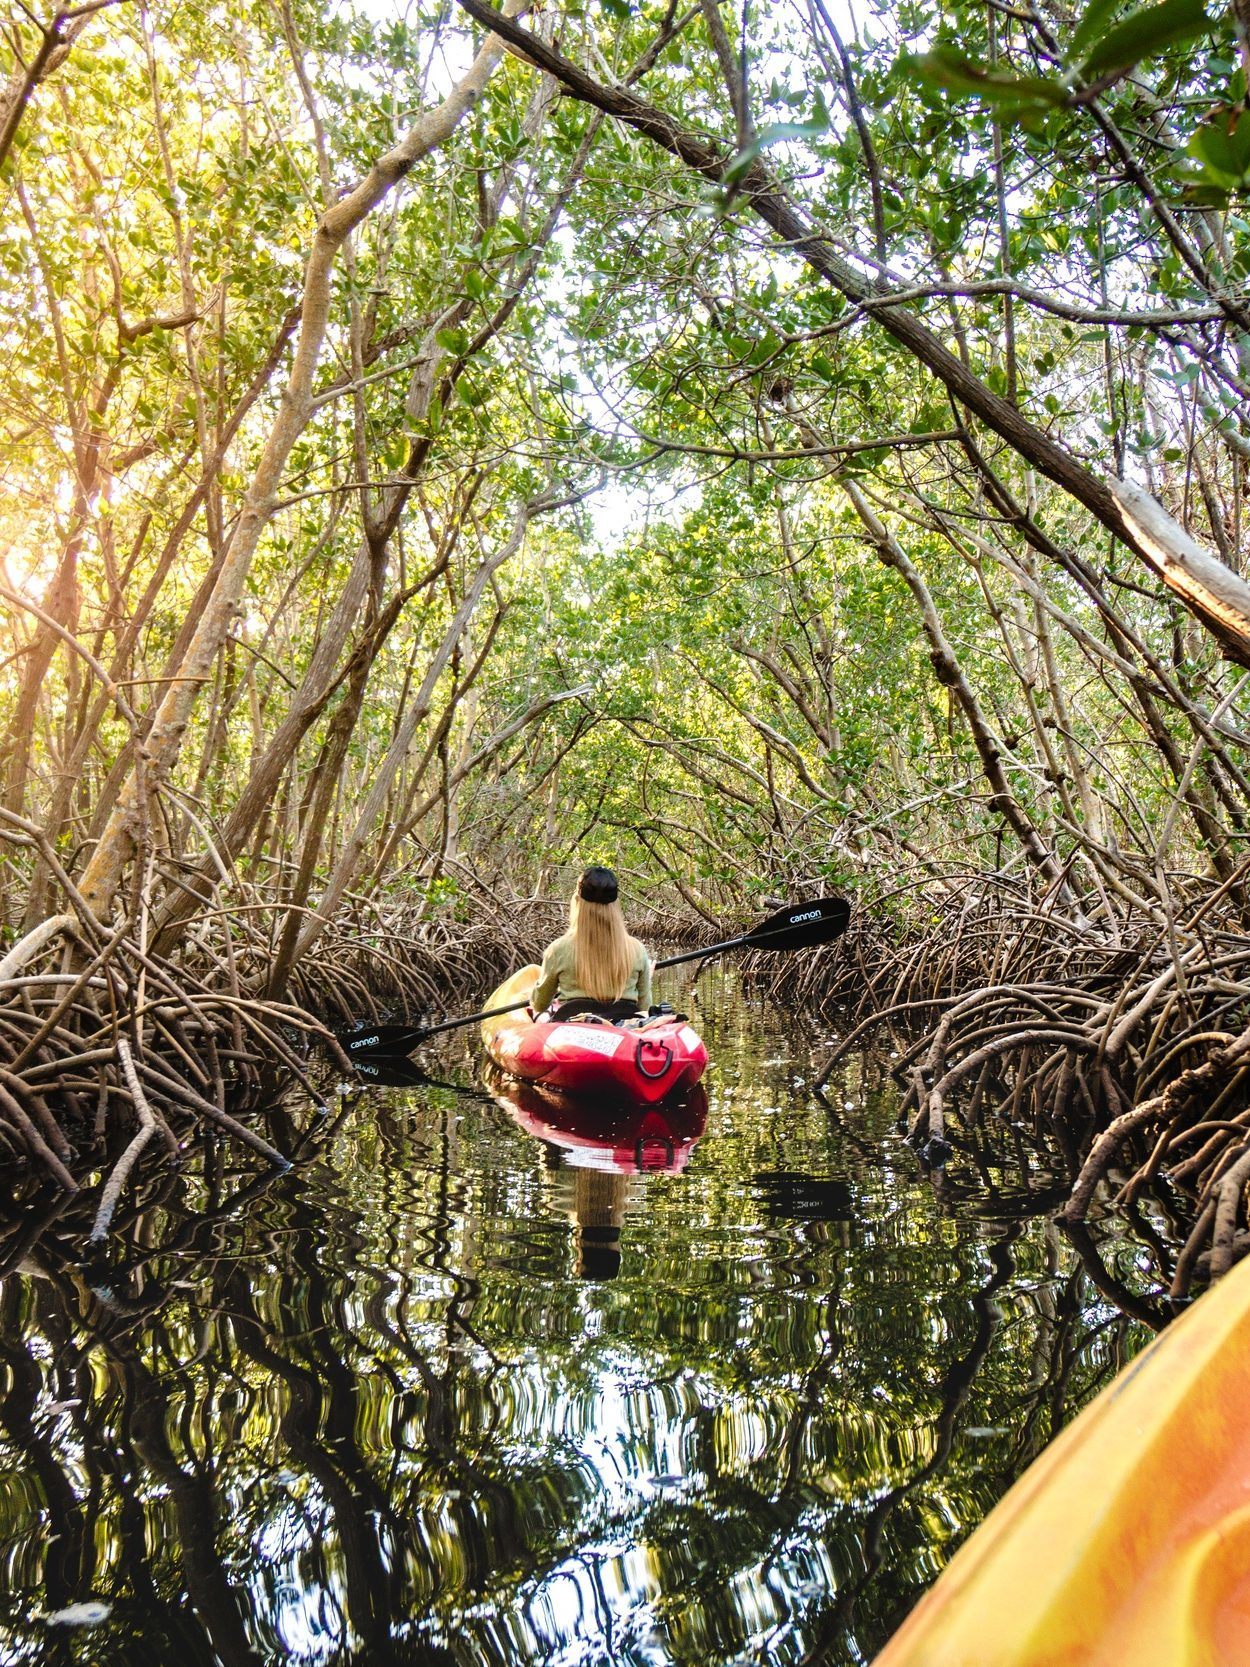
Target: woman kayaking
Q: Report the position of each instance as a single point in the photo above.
(596, 967)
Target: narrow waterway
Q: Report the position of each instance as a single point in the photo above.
(465, 1389)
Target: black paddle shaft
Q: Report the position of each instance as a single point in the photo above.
(800, 926)
(399, 1038)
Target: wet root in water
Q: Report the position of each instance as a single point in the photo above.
(1124, 1054)
(98, 1036)
(105, 1044)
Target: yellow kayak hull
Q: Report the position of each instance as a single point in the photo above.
(1127, 1543)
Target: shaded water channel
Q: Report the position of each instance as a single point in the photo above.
(450, 1393)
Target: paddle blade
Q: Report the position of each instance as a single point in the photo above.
(801, 925)
(379, 1038)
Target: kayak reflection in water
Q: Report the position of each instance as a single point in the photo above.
(603, 1134)
(595, 1154)
(595, 967)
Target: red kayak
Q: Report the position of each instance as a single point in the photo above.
(640, 1060)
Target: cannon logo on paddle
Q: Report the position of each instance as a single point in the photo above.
(808, 914)
(364, 1042)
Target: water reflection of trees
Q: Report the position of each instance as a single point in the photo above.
(368, 1413)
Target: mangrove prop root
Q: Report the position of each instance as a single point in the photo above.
(109, 1051)
(1115, 1053)
(121, 1169)
(1122, 1047)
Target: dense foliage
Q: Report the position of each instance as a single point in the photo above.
(742, 524)
(773, 449)
(770, 450)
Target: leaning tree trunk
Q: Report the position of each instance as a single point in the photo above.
(352, 854)
(950, 674)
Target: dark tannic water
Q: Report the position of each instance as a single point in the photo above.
(452, 1393)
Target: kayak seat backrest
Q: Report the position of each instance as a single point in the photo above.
(586, 1010)
(639, 1023)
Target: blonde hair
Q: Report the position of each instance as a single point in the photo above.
(603, 951)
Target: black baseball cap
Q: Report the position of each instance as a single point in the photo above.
(598, 885)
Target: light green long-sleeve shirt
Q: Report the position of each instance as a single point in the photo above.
(558, 976)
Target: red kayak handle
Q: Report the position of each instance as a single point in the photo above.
(666, 1061)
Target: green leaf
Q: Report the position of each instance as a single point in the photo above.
(1223, 149)
(947, 70)
(764, 349)
(1095, 16)
(452, 341)
(1148, 30)
(773, 134)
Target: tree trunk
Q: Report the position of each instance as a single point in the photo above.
(117, 843)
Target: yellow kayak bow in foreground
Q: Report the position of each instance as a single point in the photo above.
(1128, 1540)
